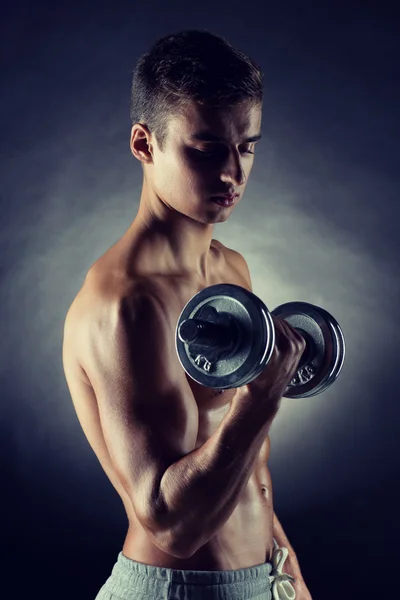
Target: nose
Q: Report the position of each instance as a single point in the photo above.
(233, 171)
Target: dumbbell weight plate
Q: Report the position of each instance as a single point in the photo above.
(322, 369)
(256, 337)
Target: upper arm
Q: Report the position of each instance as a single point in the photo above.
(148, 415)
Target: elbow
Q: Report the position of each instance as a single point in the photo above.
(165, 533)
(183, 545)
(170, 542)
(177, 551)
(164, 537)
(181, 551)
(167, 543)
(176, 545)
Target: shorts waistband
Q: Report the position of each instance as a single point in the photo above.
(189, 577)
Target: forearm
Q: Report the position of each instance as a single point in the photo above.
(291, 565)
(201, 490)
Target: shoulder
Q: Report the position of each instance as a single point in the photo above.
(236, 261)
(101, 325)
(102, 306)
(104, 298)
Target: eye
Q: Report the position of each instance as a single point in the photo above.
(205, 154)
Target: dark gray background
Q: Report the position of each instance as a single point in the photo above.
(318, 222)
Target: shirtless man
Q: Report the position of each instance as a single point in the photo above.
(189, 463)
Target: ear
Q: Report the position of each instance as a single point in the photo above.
(140, 143)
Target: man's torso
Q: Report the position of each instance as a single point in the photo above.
(246, 538)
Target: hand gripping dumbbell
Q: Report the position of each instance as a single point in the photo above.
(225, 337)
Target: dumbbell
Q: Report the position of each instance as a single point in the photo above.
(225, 337)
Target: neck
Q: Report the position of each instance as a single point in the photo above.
(180, 243)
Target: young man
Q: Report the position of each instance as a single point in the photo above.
(190, 463)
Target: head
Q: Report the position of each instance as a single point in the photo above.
(193, 83)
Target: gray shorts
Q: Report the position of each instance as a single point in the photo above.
(131, 580)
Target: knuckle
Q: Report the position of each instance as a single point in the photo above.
(301, 344)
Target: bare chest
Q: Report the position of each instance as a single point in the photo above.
(212, 404)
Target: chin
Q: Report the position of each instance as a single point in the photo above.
(214, 219)
(210, 217)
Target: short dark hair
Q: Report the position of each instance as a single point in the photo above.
(190, 66)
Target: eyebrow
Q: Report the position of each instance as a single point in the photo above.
(205, 136)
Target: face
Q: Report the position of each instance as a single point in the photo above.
(208, 152)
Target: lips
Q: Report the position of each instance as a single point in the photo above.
(224, 200)
(225, 196)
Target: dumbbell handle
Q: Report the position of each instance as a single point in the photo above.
(205, 334)
(215, 336)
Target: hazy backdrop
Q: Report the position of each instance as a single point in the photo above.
(318, 222)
